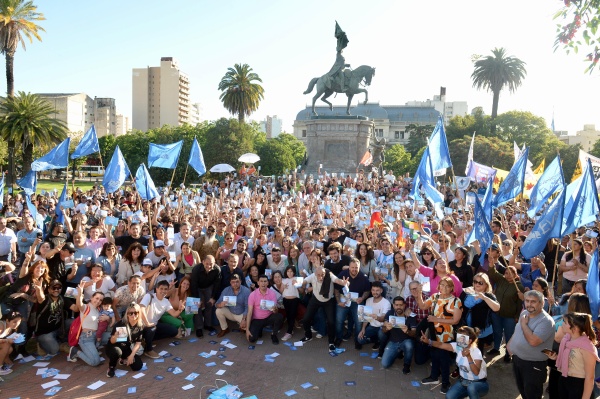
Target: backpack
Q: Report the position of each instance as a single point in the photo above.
(75, 329)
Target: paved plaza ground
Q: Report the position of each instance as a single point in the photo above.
(254, 376)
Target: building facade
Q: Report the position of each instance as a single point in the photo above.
(446, 108)
(271, 126)
(160, 96)
(76, 110)
(105, 116)
(586, 137)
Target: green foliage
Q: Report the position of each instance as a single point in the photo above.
(460, 126)
(596, 149)
(240, 95)
(418, 137)
(226, 140)
(275, 158)
(297, 148)
(490, 151)
(569, 155)
(397, 159)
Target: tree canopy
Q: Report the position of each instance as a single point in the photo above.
(241, 94)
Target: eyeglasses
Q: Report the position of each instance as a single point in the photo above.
(426, 253)
(478, 282)
(56, 287)
(132, 313)
(506, 244)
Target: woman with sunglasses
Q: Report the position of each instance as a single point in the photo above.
(126, 341)
(439, 270)
(478, 301)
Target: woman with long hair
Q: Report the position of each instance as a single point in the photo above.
(541, 285)
(178, 297)
(252, 277)
(579, 287)
(439, 270)
(90, 316)
(109, 259)
(9, 325)
(125, 352)
(396, 283)
(225, 250)
(365, 254)
(97, 281)
(291, 300)
(478, 304)
(574, 265)
(187, 259)
(131, 262)
(461, 267)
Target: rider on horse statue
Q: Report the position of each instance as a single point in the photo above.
(337, 72)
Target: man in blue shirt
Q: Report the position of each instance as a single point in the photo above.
(360, 287)
(531, 271)
(26, 237)
(227, 311)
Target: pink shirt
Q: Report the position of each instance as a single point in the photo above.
(435, 281)
(254, 302)
(96, 246)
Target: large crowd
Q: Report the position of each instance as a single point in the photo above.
(349, 258)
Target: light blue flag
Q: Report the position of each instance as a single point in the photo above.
(593, 285)
(28, 182)
(424, 177)
(2, 192)
(88, 144)
(486, 203)
(551, 180)
(60, 217)
(57, 158)
(547, 227)
(482, 231)
(196, 160)
(164, 155)
(39, 220)
(144, 184)
(438, 148)
(514, 182)
(116, 172)
(584, 207)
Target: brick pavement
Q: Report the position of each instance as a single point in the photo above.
(250, 372)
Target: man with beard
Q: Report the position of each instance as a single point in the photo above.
(207, 244)
(135, 235)
(370, 329)
(399, 338)
(180, 238)
(49, 317)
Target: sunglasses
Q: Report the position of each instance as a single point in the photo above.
(132, 313)
(442, 241)
(426, 253)
(56, 287)
(478, 282)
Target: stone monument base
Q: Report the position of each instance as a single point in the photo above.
(336, 142)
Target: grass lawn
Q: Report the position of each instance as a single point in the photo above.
(49, 185)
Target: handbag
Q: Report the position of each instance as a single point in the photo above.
(76, 326)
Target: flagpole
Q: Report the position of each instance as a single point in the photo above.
(67, 180)
(554, 272)
(185, 174)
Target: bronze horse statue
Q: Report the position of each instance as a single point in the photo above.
(326, 86)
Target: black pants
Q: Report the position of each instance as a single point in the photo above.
(159, 331)
(530, 377)
(115, 353)
(257, 325)
(291, 310)
(313, 306)
(440, 364)
(571, 387)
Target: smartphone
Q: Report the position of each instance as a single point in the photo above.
(548, 352)
(39, 235)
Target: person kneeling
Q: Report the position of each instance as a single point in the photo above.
(400, 328)
(125, 341)
(262, 311)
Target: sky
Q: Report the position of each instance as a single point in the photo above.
(416, 47)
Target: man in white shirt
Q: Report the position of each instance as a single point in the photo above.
(154, 306)
(380, 306)
(412, 274)
(180, 238)
(276, 260)
(304, 259)
(445, 252)
(8, 243)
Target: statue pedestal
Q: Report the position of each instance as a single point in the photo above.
(336, 142)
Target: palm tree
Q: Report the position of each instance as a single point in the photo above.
(17, 21)
(495, 72)
(239, 94)
(28, 119)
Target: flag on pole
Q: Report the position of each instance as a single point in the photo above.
(480, 173)
(424, 178)
(367, 158)
(547, 227)
(57, 158)
(470, 155)
(88, 144)
(438, 149)
(584, 205)
(376, 219)
(2, 192)
(116, 172)
(196, 160)
(593, 285)
(486, 204)
(514, 182)
(577, 172)
(164, 155)
(482, 231)
(583, 158)
(552, 179)
(28, 182)
(60, 216)
(144, 184)
(540, 169)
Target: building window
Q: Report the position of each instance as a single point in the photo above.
(379, 132)
(402, 136)
(304, 133)
(396, 134)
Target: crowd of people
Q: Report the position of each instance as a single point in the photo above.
(352, 258)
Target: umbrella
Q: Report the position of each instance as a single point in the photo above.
(222, 168)
(249, 158)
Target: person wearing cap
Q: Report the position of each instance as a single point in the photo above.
(220, 233)
(531, 271)
(57, 264)
(49, 317)
(57, 233)
(492, 259)
(158, 254)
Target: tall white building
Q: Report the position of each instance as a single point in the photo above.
(105, 116)
(160, 96)
(271, 126)
(195, 114)
(123, 124)
(76, 110)
(446, 108)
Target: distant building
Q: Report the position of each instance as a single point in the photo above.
(160, 96)
(390, 120)
(123, 124)
(195, 114)
(105, 116)
(586, 137)
(271, 126)
(76, 110)
(446, 108)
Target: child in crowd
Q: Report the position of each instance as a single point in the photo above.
(104, 325)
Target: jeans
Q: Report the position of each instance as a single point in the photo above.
(313, 306)
(369, 336)
(49, 342)
(88, 352)
(393, 349)
(159, 331)
(343, 313)
(535, 373)
(473, 390)
(440, 364)
(501, 325)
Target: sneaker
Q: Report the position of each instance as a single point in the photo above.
(72, 357)
(111, 372)
(209, 328)
(493, 352)
(5, 370)
(445, 388)
(319, 336)
(274, 339)
(376, 346)
(151, 354)
(331, 348)
(305, 340)
(313, 330)
(428, 381)
(406, 370)
(380, 355)
(286, 337)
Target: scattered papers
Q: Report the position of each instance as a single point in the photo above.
(368, 368)
(120, 373)
(50, 384)
(177, 370)
(291, 392)
(274, 354)
(351, 383)
(228, 363)
(61, 376)
(321, 370)
(192, 376)
(187, 387)
(161, 360)
(349, 363)
(211, 364)
(415, 383)
(231, 346)
(139, 375)
(41, 364)
(132, 390)
(220, 372)
(306, 385)
(41, 371)
(298, 343)
(162, 353)
(52, 391)
(212, 353)
(259, 342)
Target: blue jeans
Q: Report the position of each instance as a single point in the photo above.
(341, 314)
(502, 325)
(88, 352)
(370, 335)
(49, 342)
(393, 349)
(474, 390)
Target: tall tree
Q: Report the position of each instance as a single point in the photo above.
(494, 73)
(17, 21)
(417, 139)
(240, 94)
(28, 119)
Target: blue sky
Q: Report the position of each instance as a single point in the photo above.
(416, 47)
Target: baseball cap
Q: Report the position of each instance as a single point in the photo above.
(147, 262)
(69, 247)
(159, 243)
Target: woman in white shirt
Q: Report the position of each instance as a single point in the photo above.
(97, 281)
(291, 299)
